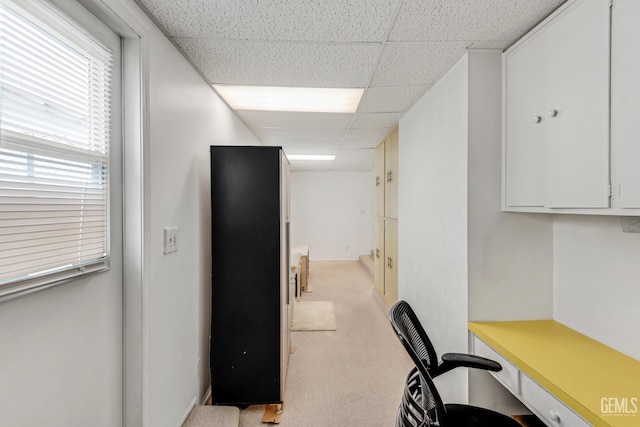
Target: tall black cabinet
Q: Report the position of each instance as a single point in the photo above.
(250, 292)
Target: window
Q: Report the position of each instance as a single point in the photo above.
(54, 148)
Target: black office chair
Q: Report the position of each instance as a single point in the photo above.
(421, 404)
(406, 323)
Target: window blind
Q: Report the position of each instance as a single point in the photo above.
(54, 147)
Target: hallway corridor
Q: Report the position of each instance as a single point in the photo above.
(349, 377)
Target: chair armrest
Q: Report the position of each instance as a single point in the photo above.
(455, 360)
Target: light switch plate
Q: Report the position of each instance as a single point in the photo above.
(170, 240)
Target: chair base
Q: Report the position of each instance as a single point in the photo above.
(473, 416)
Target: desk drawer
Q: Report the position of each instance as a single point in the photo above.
(548, 407)
(509, 375)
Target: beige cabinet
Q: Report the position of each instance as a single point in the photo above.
(379, 258)
(391, 261)
(385, 251)
(380, 179)
(391, 175)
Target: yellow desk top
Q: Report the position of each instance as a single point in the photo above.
(578, 370)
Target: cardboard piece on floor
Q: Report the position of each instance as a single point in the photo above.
(270, 414)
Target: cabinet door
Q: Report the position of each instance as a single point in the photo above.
(379, 255)
(525, 119)
(379, 171)
(625, 102)
(391, 181)
(577, 106)
(391, 265)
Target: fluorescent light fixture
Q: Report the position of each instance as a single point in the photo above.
(301, 99)
(321, 157)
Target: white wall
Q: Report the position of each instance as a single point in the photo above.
(461, 257)
(510, 260)
(186, 117)
(61, 348)
(432, 207)
(597, 280)
(61, 355)
(61, 352)
(332, 213)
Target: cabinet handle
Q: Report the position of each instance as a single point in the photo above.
(537, 119)
(554, 416)
(553, 113)
(377, 181)
(377, 253)
(390, 262)
(390, 176)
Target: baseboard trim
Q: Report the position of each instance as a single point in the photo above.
(186, 414)
(206, 400)
(380, 302)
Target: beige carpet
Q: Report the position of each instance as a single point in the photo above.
(314, 316)
(213, 416)
(350, 377)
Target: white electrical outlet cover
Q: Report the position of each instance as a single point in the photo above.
(170, 240)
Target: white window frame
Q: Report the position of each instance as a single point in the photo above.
(56, 22)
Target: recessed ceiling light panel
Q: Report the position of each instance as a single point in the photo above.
(300, 99)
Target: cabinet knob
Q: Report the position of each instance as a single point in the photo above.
(554, 416)
(553, 113)
(537, 119)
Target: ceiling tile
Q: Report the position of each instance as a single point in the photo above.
(355, 155)
(298, 20)
(281, 119)
(283, 64)
(339, 43)
(302, 149)
(416, 63)
(460, 20)
(282, 136)
(360, 134)
(376, 120)
(362, 143)
(390, 99)
(352, 166)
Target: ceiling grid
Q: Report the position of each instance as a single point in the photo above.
(394, 49)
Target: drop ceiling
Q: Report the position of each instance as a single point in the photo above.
(394, 49)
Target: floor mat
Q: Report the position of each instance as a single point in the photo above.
(314, 316)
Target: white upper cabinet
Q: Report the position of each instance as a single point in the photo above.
(577, 106)
(556, 146)
(625, 103)
(525, 118)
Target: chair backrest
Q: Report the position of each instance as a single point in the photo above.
(405, 322)
(422, 393)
